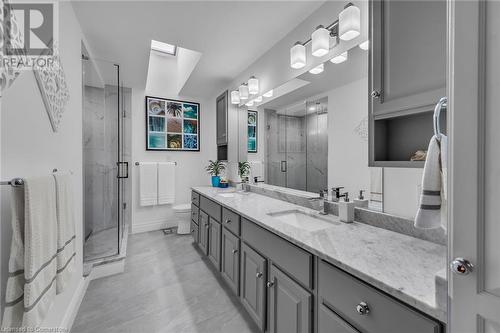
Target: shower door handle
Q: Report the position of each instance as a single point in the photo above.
(283, 166)
(121, 166)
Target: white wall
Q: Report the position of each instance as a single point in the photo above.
(31, 148)
(190, 169)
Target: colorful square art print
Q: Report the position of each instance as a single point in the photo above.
(172, 125)
(252, 124)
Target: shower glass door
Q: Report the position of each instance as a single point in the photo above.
(105, 168)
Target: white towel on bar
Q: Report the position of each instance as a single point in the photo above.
(256, 170)
(148, 183)
(431, 213)
(376, 186)
(65, 231)
(166, 183)
(36, 264)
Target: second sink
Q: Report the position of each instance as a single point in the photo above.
(304, 220)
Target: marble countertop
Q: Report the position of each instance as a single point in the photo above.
(405, 267)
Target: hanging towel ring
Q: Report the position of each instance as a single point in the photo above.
(437, 113)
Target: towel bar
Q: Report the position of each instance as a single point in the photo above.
(13, 182)
(138, 163)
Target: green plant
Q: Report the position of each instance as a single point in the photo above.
(243, 169)
(215, 167)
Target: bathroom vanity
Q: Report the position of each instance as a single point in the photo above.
(296, 271)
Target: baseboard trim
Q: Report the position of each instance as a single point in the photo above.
(74, 305)
(152, 226)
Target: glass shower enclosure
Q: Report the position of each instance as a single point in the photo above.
(106, 158)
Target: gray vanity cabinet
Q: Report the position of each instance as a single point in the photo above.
(194, 231)
(329, 321)
(230, 263)
(203, 232)
(290, 305)
(214, 242)
(253, 284)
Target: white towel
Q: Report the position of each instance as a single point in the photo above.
(65, 231)
(166, 183)
(376, 186)
(148, 183)
(256, 168)
(37, 262)
(430, 211)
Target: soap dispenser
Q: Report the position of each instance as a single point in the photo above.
(360, 201)
(346, 209)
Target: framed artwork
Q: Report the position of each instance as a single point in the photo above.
(172, 125)
(252, 122)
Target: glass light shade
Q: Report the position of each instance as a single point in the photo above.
(249, 103)
(365, 45)
(320, 42)
(349, 22)
(318, 69)
(298, 56)
(258, 99)
(253, 85)
(340, 58)
(235, 97)
(243, 89)
(268, 94)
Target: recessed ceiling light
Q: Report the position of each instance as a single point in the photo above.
(318, 69)
(163, 47)
(340, 58)
(258, 99)
(268, 94)
(365, 45)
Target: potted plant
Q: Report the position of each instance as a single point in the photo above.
(243, 170)
(215, 168)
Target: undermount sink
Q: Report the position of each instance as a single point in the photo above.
(227, 195)
(304, 220)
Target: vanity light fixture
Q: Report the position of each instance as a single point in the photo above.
(318, 69)
(257, 99)
(324, 39)
(349, 22)
(249, 103)
(340, 58)
(243, 90)
(253, 85)
(298, 56)
(365, 45)
(235, 97)
(163, 47)
(268, 94)
(320, 41)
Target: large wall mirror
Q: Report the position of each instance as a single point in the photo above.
(312, 134)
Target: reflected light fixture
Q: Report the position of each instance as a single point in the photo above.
(249, 103)
(349, 22)
(298, 56)
(268, 94)
(258, 99)
(163, 47)
(365, 45)
(320, 40)
(340, 58)
(235, 97)
(318, 69)
(253, 85)
(243, 90)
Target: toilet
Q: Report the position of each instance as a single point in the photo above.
(183, 215)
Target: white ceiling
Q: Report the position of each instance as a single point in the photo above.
(230, 35)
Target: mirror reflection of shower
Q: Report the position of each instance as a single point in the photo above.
(297, 145)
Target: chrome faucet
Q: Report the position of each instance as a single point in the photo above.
(336, 193)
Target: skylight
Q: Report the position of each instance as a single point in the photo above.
(163, 47)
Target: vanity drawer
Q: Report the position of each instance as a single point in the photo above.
(195, 213)
(211, 208)
(231, 221)
(292, 259)
(343, 292)
(195, 198)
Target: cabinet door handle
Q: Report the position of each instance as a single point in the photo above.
(227, 221)
(259, 275)
(270, 284)
(192, 230)
(362, 309)
(375, 94)
(234, 251)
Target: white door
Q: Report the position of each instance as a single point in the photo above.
(474, 174)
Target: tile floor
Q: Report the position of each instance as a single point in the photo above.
(166, 287)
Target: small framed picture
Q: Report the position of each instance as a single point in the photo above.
(252, 124)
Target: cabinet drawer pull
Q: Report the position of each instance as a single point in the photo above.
(259, 275)
(234, 251)
(192, 230)
(228, 221)
(270, 284)
(375, 94)
(362, 309)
